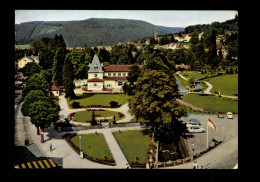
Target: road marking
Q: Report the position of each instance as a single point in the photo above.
(228, 152)
(23, 166)
(29, 164)
(52, 163)
(35, 165)
(46, 163)
(42, 166)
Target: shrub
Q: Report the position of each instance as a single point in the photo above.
(75, 104)
(113, 104)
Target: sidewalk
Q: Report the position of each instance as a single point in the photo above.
(212, 156)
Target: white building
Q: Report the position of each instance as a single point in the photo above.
(27, 59)
(106, 78)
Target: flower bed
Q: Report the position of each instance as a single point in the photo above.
(138, 165)
(95, 109)
(120, 114)
(68, 137)
(95, 106)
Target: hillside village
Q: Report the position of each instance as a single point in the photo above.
(137, 104)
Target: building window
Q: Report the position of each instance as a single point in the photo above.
(120, 83)
(119, 74)
(114, 74)
(95, 68)
(95, 75)
(95, 84)
(124, 74)
(108, 85)
(109, 74)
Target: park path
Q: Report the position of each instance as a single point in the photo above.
(116, 151)
(65, 111)
(207, 91)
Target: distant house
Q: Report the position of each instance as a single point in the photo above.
(182, 66)
(55, 89)
(219, 37)
(27, 59)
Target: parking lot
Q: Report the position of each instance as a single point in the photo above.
(226, 129)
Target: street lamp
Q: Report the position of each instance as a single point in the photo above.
(80, 152)
(192, 150)
(79, 143)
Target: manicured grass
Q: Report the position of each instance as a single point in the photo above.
(212, 103)
(225, 84)
(133, 144)
(99, 99)
(82, 116)
(93, 145)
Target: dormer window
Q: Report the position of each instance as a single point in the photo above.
(95, 68)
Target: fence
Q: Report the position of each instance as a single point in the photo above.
(78, 128)
(173, 163)
(123, 125)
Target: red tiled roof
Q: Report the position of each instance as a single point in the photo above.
(55, 87)
(115, 78)
(95, 80)
(118, 68)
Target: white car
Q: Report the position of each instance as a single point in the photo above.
(190, 125)
(229, 115)
(196, 129)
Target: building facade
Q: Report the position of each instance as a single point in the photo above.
(107, 78)
(27, 59)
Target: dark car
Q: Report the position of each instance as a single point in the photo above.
(193, 121)
(220, 115)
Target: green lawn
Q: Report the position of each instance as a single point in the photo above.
(82, 116)
(99, 99)
(225, 84)
(133, 144)
(212, 103)
(93, 145)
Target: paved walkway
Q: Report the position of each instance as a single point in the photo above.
(207, 160)
(65, 155)
(207, 91)
(65, 111)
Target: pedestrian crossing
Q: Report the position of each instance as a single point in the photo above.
(37, 164)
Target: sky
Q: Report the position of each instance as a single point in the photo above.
(160, 17)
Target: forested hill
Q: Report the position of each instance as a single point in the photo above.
(94, 31)
(221, 27)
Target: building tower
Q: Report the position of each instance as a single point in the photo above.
(155, 36)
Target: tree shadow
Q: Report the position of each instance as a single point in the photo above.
(83, 96)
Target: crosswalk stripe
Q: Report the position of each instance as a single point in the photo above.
(17, 166)
(52, 163)
(35, 165)
(23, 166)
(46, 163)
(42, 166)
(29, 164)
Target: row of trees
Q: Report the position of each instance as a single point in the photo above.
(41, 109)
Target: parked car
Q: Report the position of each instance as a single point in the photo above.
(196, 129)
(220, 115)
(229, 115)
(190, 125)
(193, 121)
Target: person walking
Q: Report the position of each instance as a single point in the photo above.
(195, 165)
